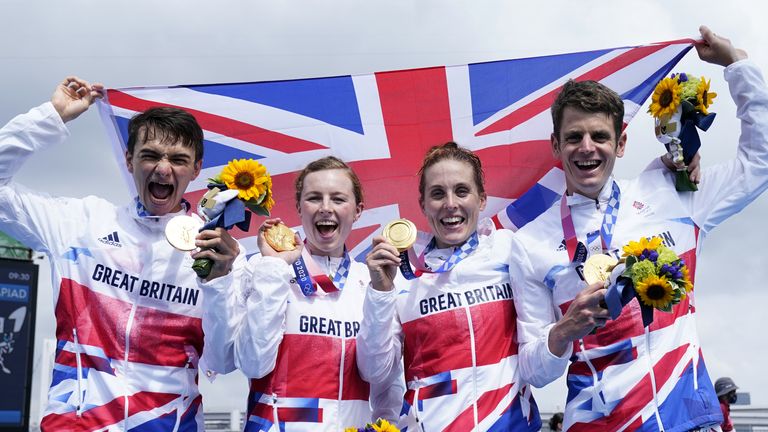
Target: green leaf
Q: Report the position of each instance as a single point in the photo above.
(259, 210)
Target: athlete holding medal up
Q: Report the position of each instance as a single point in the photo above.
(290, 324)
(628, 375)
(452, 320)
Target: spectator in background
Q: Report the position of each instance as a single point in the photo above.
(556, 422)
(726, 393)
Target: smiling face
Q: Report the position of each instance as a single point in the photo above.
(327, 209)
(588, 148)
(161, 172)
(451, 201)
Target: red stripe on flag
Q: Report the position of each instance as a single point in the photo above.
(543, 103)
(222, 125)
(301, 356)
(157, 337)
(521, 163)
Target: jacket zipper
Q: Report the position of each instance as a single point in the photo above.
(341, 382)
(653, 379)
(474, 364)
(126, 364)
(276, 420)
(416, 405)
(597, 400)
(79, 364)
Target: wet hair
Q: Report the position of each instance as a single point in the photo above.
(451, 150)
(329, 163)
(169, 126)
(591, 97)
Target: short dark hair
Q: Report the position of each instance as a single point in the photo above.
(591, 97)
(451, 150)
(329, 163)
(555, 420)
(167, 124)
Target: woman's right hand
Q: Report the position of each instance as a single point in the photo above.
(383, 261)
(266, 250)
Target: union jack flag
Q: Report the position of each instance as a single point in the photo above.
(383, 123)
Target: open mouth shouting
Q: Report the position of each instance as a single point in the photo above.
(326, 228)
(159, 192)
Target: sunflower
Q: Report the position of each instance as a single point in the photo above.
(382, 425)
(247, 176)
(665, 99)
(687, 284)
(703, 96)
(268, 202)
(655, 291)
(637, 248)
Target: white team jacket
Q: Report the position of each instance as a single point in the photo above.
(455, 332)
(128, 308)
(625, 375)
(298, 351)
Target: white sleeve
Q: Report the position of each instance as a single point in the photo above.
(387, 395)
(535, 318)
(265, 300)
(727, 188)
(222, 314)
(25, 134)
(379, 342)
(35, 219)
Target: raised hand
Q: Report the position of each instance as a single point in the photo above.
(218, 246)
(266, 250)
(73, 96)
(586, 312)
(382, 262)
(717, 49)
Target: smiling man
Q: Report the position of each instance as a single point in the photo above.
(128, 307)
(624, 375)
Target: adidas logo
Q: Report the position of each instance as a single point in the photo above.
(111, 240)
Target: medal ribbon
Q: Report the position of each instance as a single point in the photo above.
(606, 229)
(310, 276)
(408, 256)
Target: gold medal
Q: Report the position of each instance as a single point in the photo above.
(181, 232)
(400, 233)
(280, 238)
(598, 268)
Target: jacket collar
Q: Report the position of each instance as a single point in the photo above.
(143, 217)
(605, 194)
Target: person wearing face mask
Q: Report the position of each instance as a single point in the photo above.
(127, 306)
(725, 389)
(292, 335)
(454, 326)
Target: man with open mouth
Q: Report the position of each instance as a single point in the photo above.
(127, 305)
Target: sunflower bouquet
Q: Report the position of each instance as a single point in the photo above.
(379, 425)
(679, 105)
(653, 274)
(242, 185)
